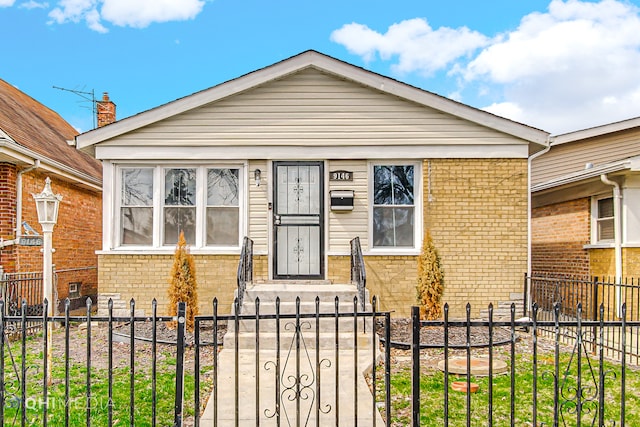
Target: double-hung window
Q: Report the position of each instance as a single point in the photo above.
(604, 220)
(158, 203)
(136, 206)
(394, 205)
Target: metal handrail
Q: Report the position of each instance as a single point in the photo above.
(358, 271)
(245, 269)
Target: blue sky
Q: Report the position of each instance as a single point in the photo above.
(556, 65)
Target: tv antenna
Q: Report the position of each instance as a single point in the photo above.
(87, 96)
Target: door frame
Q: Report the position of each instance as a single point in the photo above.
(321, 219)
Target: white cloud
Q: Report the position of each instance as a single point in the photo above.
(141, 13)
(573, 66)
(124, 13)
(7, 3)
(417, 46)
(33, 5)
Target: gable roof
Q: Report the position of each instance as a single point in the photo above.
(312, 59)
(30, 131)
(593, 132)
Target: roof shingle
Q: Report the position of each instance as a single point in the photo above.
(42, 130)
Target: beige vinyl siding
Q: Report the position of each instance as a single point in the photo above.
(571, 157)
(312, 108)
(258, 228)
(344, 226)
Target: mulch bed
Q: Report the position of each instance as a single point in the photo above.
(401, 334)
(434, 337)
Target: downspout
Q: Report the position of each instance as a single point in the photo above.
(531, 158)
(617, 232)
(36, 165)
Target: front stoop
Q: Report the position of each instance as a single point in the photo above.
(324, 369)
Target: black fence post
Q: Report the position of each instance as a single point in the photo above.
(594, 313)
(415, 366)
(525, 295)
(179, 401)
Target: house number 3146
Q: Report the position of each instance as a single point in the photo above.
(341, 176)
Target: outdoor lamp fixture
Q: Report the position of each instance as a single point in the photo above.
(47, 205)
(257, 176)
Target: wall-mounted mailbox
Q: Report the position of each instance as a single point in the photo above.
(341, 200)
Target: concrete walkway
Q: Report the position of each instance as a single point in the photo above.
(324, 387)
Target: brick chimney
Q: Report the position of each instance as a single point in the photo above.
(106, 111)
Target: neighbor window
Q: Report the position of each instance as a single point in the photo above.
(604, 219)
(394, 210)
(158, 203)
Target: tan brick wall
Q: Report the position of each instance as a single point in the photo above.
(478, 220)
(631, 262)
(145, 277)
(603, 263)
(558, 235)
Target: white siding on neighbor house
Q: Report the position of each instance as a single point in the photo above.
(314, 109)
(572, 157)
(344, 226)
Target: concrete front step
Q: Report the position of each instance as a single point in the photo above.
(311, 296)
(287, 292)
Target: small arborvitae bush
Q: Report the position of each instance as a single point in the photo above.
(430, 285)
(182, 285)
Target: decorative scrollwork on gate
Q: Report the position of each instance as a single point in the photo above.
(298, 376)
(579, 385)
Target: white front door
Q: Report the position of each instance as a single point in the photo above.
(298, 220)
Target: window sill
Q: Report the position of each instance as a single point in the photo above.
(599, 246)
(611, 245)
(392, 252)
(169, 251)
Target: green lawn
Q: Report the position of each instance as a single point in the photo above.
(99, 388)
(432, 395)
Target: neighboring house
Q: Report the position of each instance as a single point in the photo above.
(35, 143)
(586, 203)
(275, 154)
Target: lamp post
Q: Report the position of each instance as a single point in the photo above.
(47, 205)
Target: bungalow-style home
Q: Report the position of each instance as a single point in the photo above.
(302, 156)
(586, 203)
(36, 143)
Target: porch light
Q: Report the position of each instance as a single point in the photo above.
(47, 205)
(257, 176)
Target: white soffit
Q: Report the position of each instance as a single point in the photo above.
(205, 154)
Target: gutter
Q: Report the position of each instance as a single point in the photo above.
(529, 237)
(617, 231)
(53, 165)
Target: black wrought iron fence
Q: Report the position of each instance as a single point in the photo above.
(597, 298)
(19, 287)
(314, 368)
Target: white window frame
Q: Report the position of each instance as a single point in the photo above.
(595, 240)
(417, 189)
(158, 206)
